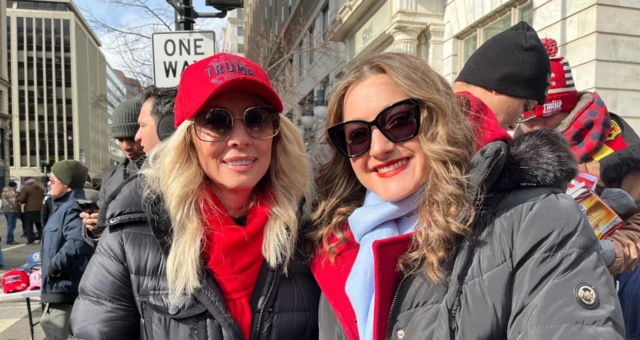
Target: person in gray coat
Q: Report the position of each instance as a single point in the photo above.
(432, 223)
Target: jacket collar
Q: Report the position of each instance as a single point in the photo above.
(538, 159)
(71, 195)
(75, 194)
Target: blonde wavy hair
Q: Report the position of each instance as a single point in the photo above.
(447, 139)
(170, 177)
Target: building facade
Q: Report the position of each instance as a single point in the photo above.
(58, 77)
(116, 94)
(233, 33)
(132, 86)
(290, 39)
(5, 117)
(604, 53)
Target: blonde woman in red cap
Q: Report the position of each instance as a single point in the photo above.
(203, 244)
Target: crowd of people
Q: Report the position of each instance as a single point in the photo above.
(432, 210)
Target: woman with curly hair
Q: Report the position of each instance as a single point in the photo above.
(432, 223)
(203, 244)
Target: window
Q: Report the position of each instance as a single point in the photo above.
(497, 27)
(282, 10)
(240, 31)
(300, 61)
(526, 13)
(325, 22)
(239, 13)
(9, 4)
(240, 48)
(470, 45)
(289, 7)
(312, 43)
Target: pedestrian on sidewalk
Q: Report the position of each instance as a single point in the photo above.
(11, 209)
(32, 196)
(64, 253)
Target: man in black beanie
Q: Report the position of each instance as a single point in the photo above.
(123, 128)
(509, 74)
(64, 252)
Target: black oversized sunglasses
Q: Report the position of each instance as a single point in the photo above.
(215, 125)
(397, 123)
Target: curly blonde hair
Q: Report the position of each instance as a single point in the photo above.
(447, 139)
(174, 175)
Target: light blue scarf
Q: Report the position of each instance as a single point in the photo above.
(377, 219)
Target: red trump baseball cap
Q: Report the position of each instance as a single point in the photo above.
(221, 73)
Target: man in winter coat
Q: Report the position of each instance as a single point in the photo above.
(123, 128)
(602, 143)
(64, 252)
(32, 196)
(155, 124)
(11, 209)
(509, 74)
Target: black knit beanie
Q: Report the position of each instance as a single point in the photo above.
(513, 62)
(71, 173)
(124, 121)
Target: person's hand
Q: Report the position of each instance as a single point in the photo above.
(90, 220)
(593, 168)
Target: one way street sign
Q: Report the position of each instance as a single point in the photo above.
(174, 51)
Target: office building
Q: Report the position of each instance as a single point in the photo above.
(116, 94)
(290, 39)
(58, 77)
(133, 86)
(599, 38)
(5, 117)
(233, 33)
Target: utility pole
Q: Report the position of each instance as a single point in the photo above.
(184, 15)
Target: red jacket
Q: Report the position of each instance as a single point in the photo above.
(332, 279)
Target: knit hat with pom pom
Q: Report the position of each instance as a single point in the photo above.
(562, 96)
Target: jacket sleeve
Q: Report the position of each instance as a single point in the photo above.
(74, 251)
(24, 193)
(556, 264)
(626, 245)
(105, 307)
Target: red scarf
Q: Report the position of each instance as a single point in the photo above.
(234, 255)
(486, 125)
(592, 134)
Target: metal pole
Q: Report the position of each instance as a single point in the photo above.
(188, 17)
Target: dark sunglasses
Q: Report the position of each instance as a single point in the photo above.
(397, 123)
(215, 125)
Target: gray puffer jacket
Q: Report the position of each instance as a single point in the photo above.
(531, 269)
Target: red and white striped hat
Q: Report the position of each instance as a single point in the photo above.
(562, 95)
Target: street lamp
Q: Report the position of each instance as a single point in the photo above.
(226, 5)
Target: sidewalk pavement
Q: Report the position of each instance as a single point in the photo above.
(14, 322)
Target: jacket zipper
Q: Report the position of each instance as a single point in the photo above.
(255, 335)
(453, 325)
(395, 296)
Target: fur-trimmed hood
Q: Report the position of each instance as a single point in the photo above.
(538, 159)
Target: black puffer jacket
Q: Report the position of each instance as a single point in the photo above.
(531, 269)
(112, 181)
(124, 292)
